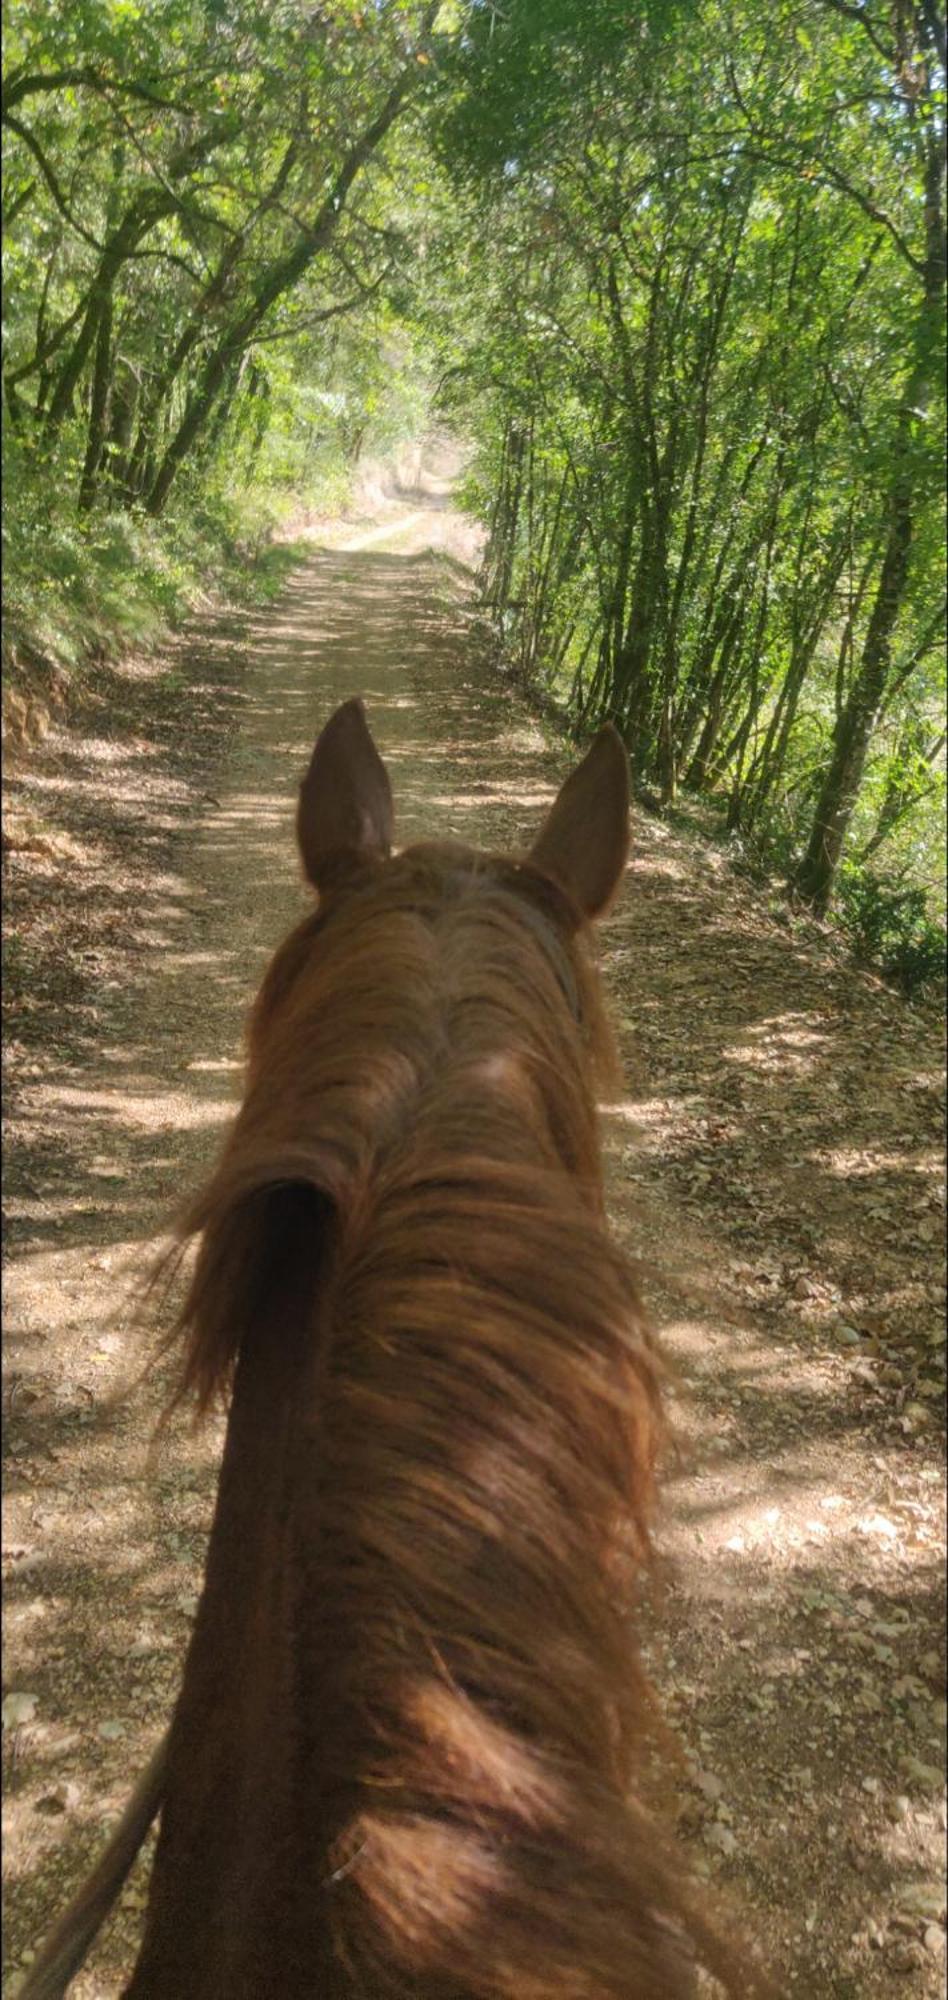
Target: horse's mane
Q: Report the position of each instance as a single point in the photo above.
(472, 1422)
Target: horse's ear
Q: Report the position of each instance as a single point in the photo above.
(345, 805)
(584, 841)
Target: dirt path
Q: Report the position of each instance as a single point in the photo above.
(776, 1164)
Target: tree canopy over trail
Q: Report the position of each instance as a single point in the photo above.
(674, 268)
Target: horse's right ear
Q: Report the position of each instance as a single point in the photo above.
(345, 804)
(584, 841)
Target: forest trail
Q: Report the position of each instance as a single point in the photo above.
(775, 1163)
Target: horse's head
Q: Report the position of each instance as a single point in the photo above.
(437, 994)
(345, 825)
(346, 816)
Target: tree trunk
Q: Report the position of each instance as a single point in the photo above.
(123, 404)
(851, 737)
(99, 409)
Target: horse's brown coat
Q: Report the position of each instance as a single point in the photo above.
(404, 1759)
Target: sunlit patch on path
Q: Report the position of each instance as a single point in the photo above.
(391, 531)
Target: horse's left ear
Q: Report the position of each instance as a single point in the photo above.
(345, 805)
(584, 841)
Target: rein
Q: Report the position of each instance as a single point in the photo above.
(70, 1941)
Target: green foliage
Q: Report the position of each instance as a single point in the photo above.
(513, 74)
(890, 926)
(81, 587)
(190, 190)
(201, 250)
(705, 254)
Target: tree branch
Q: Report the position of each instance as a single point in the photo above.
(45, 348)
(861, 15)
(23, 132)
(307, 321)
(22, 86)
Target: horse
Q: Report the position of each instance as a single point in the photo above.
(406, 1761)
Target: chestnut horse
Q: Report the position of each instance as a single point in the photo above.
(405, 1758)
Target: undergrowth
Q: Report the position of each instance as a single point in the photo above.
(80, 589)
(889, 925)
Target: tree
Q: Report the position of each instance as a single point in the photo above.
(703, 356)
(915, 59)
(181, 180)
